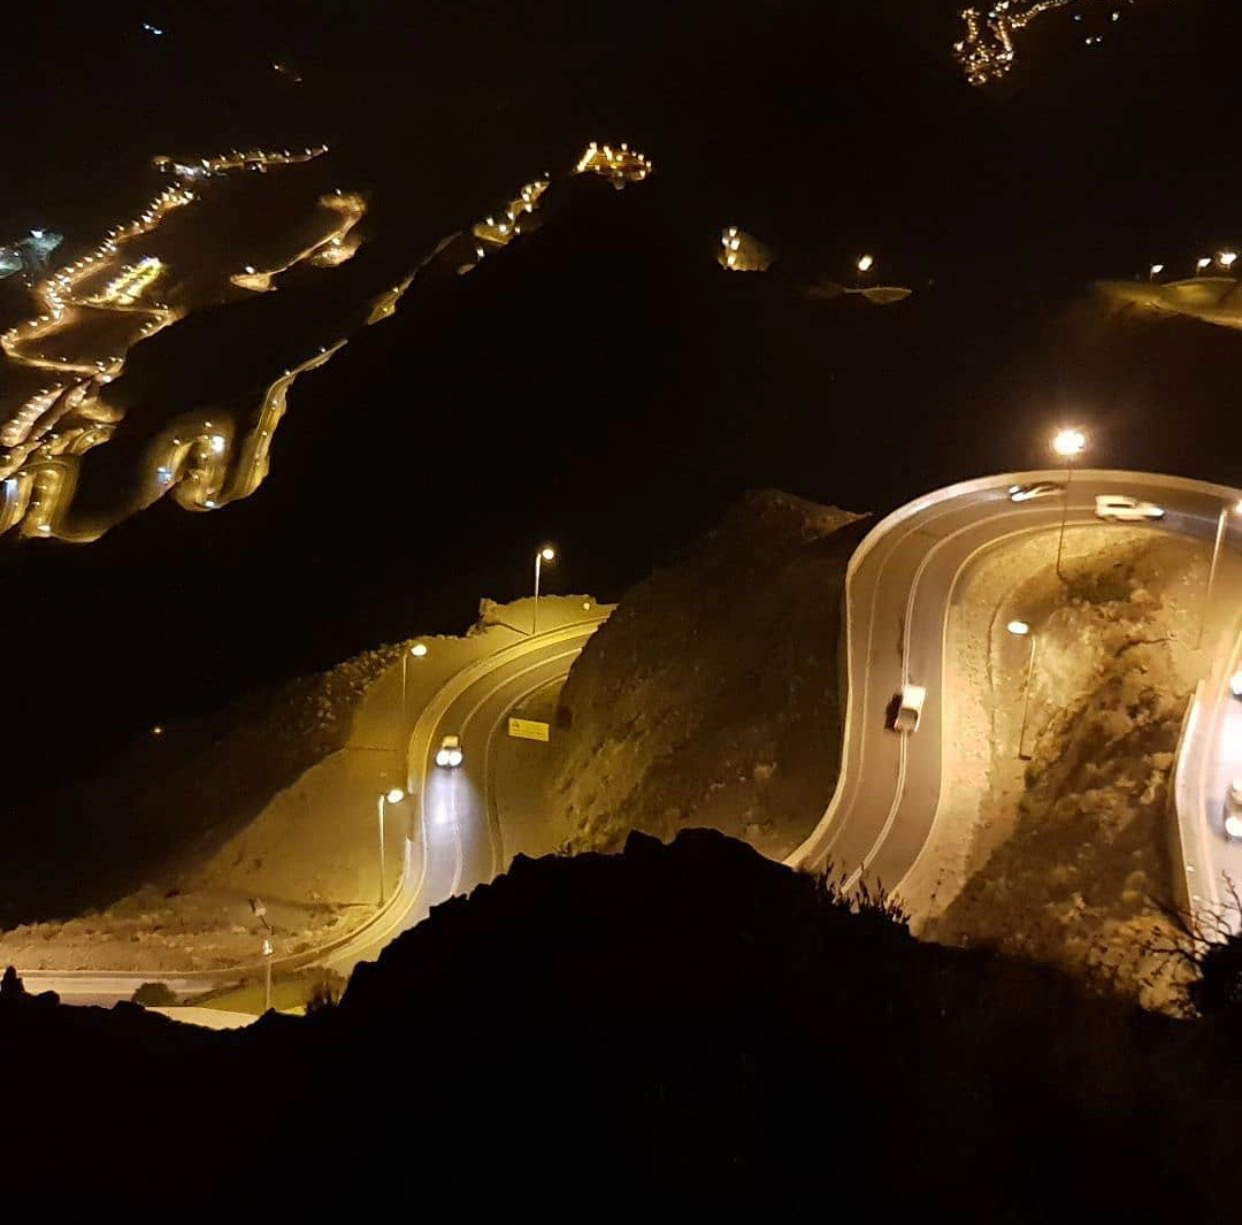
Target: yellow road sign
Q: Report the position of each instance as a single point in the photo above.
(528, 729)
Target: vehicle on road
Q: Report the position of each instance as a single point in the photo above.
(906, 708)
(449, 754)
(1121, 509)
(1233, 810)
(1041, 489)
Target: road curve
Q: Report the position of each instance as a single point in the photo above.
(452, 841)
(899, 591)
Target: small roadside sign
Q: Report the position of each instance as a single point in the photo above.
(528, 729)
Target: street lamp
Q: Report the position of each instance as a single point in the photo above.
(1226, 259)
(1156, 270)
(267, 975)
(393, 796)
(864, 264)
(1201, 264)
(1022, 629)
(1068, 444)
(547, 553)
(418, 650)
(1221, 523)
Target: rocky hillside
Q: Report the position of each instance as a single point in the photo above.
(1084, 876)
(681, 1023)
(711, 697)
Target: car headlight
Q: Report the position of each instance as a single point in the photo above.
(455, 757)
(442, 757)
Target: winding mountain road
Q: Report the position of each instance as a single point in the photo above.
(901, 586)
(900, 589)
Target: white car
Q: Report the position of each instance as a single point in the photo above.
(1120, 509)
(1233, 810)
(906, 709)
(1041, 489)
(450, 752)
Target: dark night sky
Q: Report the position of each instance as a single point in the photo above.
(825, 128)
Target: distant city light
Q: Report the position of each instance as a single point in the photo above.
(150, 29)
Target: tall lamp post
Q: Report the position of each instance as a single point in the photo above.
(1068, 444)
(418, 650)
(547, 553)
(267, 975)
(1022, 629)
(1221, 524)
(395, 796)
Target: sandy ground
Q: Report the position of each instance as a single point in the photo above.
(309, 856)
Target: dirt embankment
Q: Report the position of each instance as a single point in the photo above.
(1082, 876)
(178, 794)
(711, 697)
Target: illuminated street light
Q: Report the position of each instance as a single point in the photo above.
(1156, 270)
(418, 650)
(1068, 444)
(1221, 523)
(1022, 629)
(547, 553)
(1201, 264)
(393, 796)
(865, 263)
(1226, 258)
(267, 975)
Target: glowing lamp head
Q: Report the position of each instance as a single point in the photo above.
(1157, 269)
(548, 553)
(1021, 628)
(395, 796)
(1069, 443)
(418, 650)
(865, 263)
(1203, 263)
(1226, 258)
(1233, 825)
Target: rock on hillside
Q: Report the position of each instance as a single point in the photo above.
(711, 697)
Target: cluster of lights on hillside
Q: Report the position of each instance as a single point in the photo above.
(1224, 260)
(619, 166)
(327, 252)
(132, 283)
(222, 163)
(742, 252)
(200, 466)
(500, 232)
(986, 52)
(31, 434)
